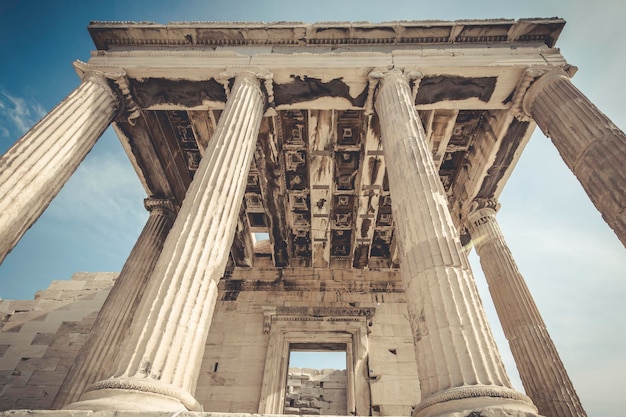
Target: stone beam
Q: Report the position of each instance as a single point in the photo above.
(479, 77)
(368, 194)
(158, 128)
(242, 249)
(441, 127)
(203, 124)
(269, 164)
(322, 125)
(490, 161)
(145, 158)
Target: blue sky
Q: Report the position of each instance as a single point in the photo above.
(573, 263)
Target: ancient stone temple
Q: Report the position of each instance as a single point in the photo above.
(310, 187)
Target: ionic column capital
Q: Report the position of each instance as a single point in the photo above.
(537, 79)
(160, 206)
(380, 76)
(480, 208)
(252, 75)
(126, 105)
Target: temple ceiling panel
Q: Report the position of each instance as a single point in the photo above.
(317, 193)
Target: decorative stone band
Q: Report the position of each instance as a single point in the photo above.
(471, 392)
(152, 387)
(331, 314)
(327, 311)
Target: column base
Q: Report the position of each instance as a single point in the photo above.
(477, 401)
(134, 395)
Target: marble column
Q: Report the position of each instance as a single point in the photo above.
(160, 359)
(96, 359)
(589, 143)
(36, 167)
(459, 367)
(544, 377)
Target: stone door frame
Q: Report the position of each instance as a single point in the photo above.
(316, 327)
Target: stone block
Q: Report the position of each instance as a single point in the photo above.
(44, 339)
(318, 404)
(48, 378)
(301, 403)
(47, 326)
(72, 284)
(309, 411)
(294, 382)
(24, 392)
(334, 385)
(37, 364)
(293, 396)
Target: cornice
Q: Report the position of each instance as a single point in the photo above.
(107, 35)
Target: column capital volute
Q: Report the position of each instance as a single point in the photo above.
(102, 74)
(480, 208)
(253, 74)
(162, 206)
(411, 76)
(408, 74)
(539, 79)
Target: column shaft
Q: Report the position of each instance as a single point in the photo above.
(544, 377)
(36, 167)
(589, 143)
(456, 354)
(97, 358)
(161, 358)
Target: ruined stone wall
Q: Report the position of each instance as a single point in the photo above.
(316, 392)
(40, 338)
(233, 366)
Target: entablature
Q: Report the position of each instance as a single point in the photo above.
(108, 35)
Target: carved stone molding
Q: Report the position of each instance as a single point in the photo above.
(326, 314)
(484, 203)
(146, 386)
(529, 76)
(462, 393)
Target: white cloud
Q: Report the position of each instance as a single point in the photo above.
(104, 195)
(18, 114)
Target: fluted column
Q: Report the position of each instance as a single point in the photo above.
(36, 167)
(160, 359)
(97, 357)
(459, 367)
(544, 377)
(589, 143)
